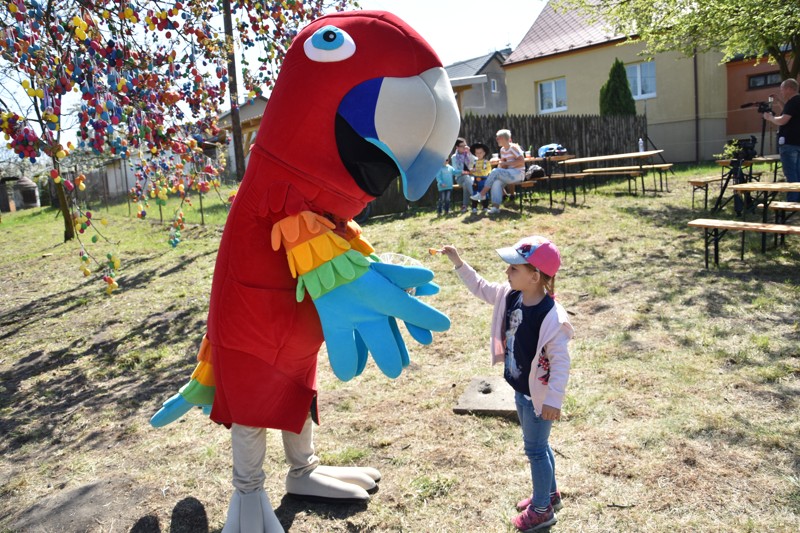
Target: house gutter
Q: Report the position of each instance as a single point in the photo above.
(696, 111)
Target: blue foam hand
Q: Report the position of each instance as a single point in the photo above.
(173, 409)
(407, 278)
(426, 289)
(421, 335)
(359, 317)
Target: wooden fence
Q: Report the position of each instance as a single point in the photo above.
(582, 135)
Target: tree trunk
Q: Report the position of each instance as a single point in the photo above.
(233, 88)
(69, 228)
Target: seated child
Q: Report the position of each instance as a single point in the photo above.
(481, 169)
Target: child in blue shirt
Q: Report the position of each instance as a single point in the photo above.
(444, 183)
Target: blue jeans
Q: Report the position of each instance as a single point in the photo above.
(535, 433)
(502, 176)
(790, 160)
(444, 201)
(465, 180)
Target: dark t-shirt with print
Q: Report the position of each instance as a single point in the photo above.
(791, 130)
(522, 324)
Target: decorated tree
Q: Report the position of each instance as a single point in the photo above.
(148, 74)
(615, 94)
(733, 27)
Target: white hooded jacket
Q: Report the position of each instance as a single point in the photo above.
(554, 337)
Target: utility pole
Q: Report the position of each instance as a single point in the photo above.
(233, 88)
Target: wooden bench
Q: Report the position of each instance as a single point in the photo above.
(661, 168)
(630, 175)
(703, 183)
(520, 189)
(525, 189)
(713, 230)
(783, 212)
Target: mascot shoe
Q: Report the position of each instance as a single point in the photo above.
(315, 487)
(309, 480)
(251, 512)
(363, 476)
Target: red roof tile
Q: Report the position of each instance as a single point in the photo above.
(558, 32)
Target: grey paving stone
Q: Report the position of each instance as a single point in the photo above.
(487, 395)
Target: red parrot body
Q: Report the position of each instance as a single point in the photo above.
(311, 155)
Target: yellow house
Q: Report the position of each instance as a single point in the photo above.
(563, 61)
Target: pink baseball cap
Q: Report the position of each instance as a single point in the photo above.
(534, 250)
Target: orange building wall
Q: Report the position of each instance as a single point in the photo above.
(747, 121)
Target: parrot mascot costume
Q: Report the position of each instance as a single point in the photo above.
(361, 99)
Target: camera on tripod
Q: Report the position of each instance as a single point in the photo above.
(742, 149)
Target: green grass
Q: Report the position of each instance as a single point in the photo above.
(347, 457)
(684, 388)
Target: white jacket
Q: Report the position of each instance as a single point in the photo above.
(554, 337)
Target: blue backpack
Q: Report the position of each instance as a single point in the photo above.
(551, 149)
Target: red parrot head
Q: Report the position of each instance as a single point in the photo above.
(361, 99)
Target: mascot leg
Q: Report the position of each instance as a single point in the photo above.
(250, 509)
(309, 480)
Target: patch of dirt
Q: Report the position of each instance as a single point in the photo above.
(104, 505)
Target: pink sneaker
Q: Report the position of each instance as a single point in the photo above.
(529, 520)
(555, 502)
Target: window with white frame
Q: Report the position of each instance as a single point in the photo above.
(553, 95)
(494, 85)
(642, 79)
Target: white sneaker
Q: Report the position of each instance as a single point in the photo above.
(476, 197)
(494, 211)
(474, 211)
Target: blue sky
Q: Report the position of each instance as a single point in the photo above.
(463, 29)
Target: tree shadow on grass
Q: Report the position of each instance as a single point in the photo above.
(37, 414)
(185, 263)
(72, 298)
(54, 398)
(738, 430)
(663, 215)
(106, 502)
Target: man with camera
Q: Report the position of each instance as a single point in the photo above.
(789, 133)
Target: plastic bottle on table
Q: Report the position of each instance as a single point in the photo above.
(641, 145)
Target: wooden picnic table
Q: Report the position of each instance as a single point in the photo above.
(535, 159)
(640, 156)
(548, 166)
(774, 162)
(612, 157)
(735, 172)
(765, 193)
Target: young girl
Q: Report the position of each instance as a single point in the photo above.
(444, 184)
(530, 332)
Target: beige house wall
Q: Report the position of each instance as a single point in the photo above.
(671, 115)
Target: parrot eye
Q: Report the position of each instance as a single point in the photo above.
(329, 44)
